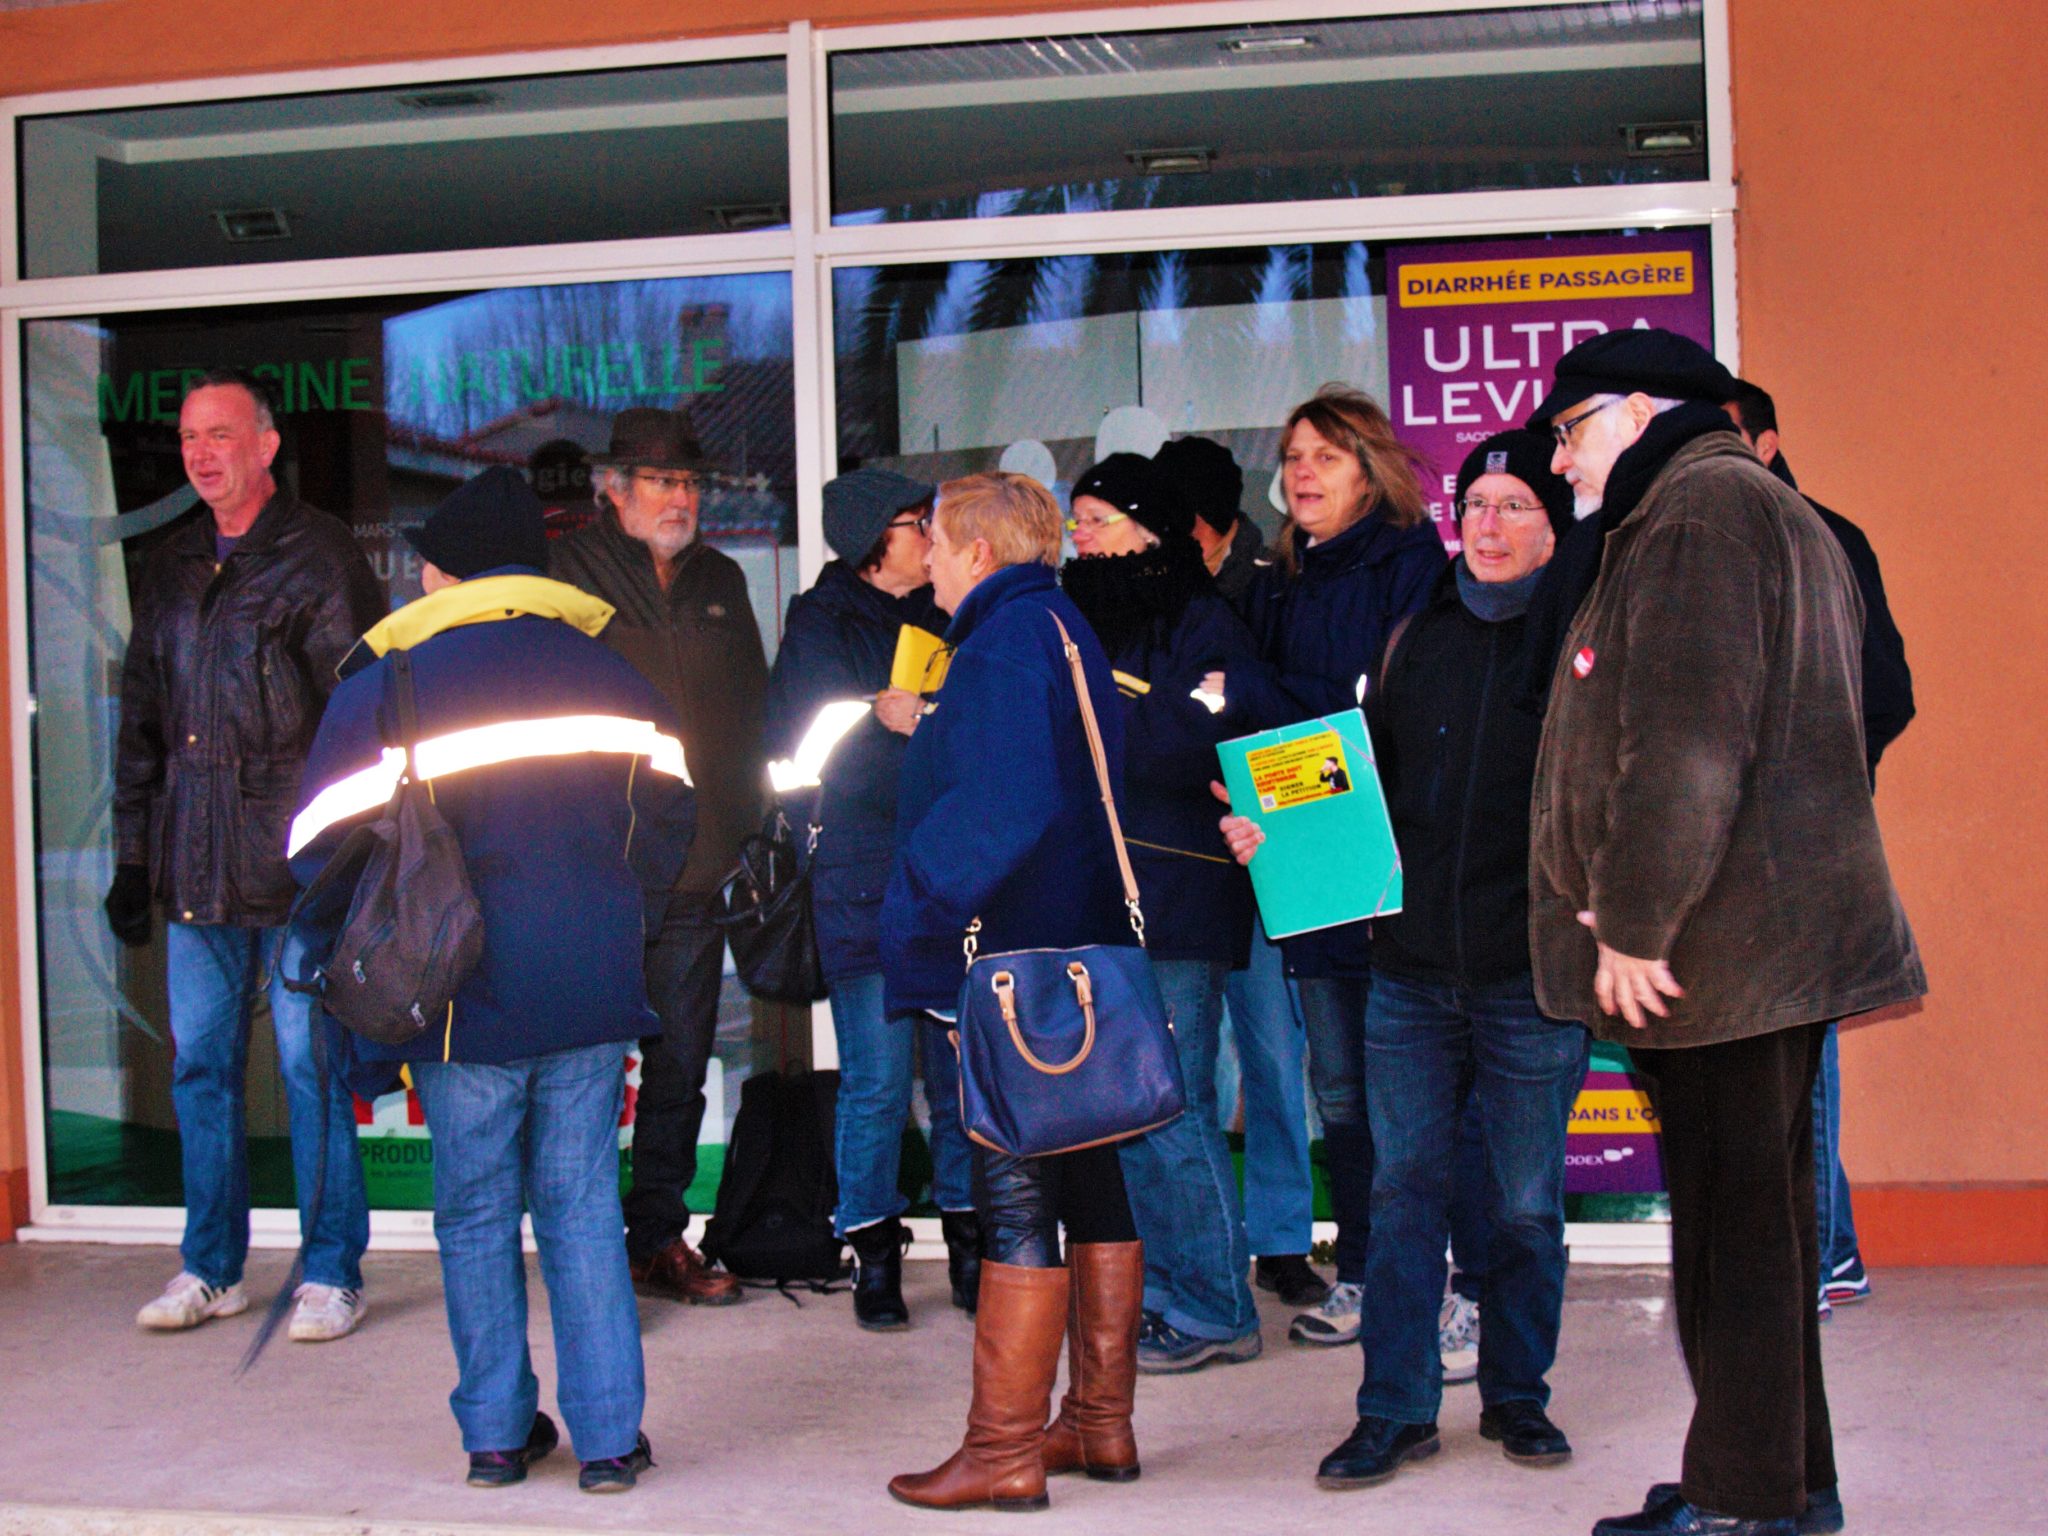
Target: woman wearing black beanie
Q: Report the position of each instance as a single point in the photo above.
(1139, 579)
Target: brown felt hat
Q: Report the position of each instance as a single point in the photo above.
(647, 437)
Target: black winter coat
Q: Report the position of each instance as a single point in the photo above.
(1321, 634)
(1457, 757)
(697, 642)
(838, 642)
(229, 666)
(1197, 899)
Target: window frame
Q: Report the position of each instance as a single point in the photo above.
(811, 249)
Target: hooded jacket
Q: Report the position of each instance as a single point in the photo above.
(1321, 634)
(1701, 785)
(229, 665)
(1001, 817)
(1456, 756)
(697, 642)
(839, 642)
(1197, 898)
(559, 768)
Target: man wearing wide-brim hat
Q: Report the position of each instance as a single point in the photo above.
(1707, 884)
(684, 620)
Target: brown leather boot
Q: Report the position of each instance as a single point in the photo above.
(1093, 1432)
(1016, 1356)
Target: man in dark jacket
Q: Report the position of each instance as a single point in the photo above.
(1705, 863)
(240, 618)
(560, 771)
(684, 620)
(1887, 709)
(1452, 1010)
(1207, 482)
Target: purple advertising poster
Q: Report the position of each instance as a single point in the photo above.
(1611, 1147)
(1474, 329)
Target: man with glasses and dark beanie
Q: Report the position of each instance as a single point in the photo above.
(1707, 884)
(684, 620)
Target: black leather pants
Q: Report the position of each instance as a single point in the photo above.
(1023, 1201)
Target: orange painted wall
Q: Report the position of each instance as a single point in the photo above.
(1894, 211)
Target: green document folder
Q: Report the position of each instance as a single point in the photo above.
(1329, 855)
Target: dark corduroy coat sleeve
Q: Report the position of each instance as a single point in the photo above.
(1684, 747)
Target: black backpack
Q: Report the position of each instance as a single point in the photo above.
(773, 1217)
(413, 930)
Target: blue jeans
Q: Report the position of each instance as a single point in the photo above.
(1526, 1071)
(540, 1134)
(1265, 1022)
(1182, 1187)
(1333, 1013)
(1834, 1218)
(876, 1060)
(213, 972)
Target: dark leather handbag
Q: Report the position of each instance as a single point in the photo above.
(1062, 1049)
(764, 907)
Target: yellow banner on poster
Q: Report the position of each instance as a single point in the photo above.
(1613, 1112)
(1534, 279)
(1299, 771)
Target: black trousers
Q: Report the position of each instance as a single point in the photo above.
(1022, 1202)
(1745, 1265)
(684, 968)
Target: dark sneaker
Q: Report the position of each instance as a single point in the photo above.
(679, 1272)
(1849, 1283)
(616, 1474)
(1166, 1351)
(1823, 1516)
(1291, 1277)
(501, 1469)
(1525, 1433)
(1374, 1451)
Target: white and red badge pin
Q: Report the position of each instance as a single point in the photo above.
(1582, 664)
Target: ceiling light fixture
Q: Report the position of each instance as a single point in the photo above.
(1259, 43)
(455, 100)
(1652, 139)
(1187, 160)
(240, 226)
(738, 216)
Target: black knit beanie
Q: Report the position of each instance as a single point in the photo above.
(1526, 456)
(1204, 478)
(1133, 484)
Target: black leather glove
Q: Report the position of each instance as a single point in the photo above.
(127, 905)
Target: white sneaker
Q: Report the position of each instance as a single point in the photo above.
(326, 1312)
(189, 1301)
(1457, 1338)
(1335, 1321)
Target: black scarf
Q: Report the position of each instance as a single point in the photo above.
(1576, 565)
(1128, 599)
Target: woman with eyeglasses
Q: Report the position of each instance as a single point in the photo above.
(1357, 555)
(1139, 579)
(838, 643)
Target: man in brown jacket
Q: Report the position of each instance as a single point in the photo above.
(1708, 887)
(685, 622)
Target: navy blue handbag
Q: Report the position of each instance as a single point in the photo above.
(1067, 1048)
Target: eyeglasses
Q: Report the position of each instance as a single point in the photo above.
(919, 522)
(1504, 508)
(1563, 430)
(669, 485)
(1096, 524)
(923, 525)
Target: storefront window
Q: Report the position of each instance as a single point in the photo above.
(386, 405)
(539, 160)
(1465, 101)
(1045, 365)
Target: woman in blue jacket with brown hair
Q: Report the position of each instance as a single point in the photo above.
(1358, 554)
(1002, 824)
(838, 644)
(1139, 580)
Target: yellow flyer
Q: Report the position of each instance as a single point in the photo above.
(1297, 772)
